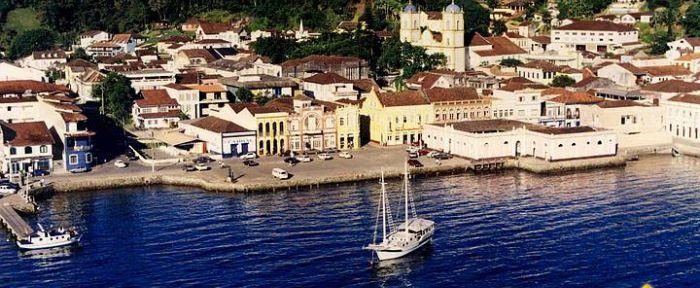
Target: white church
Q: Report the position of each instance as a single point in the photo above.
(438, 32)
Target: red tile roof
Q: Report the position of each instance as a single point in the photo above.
(214, 124)
(619, 104)
(686, 98)
(155, 97)
(573, 98)
(438, 94)
(501, 46)
(327, 78)
(169, 114)
(673, 86)
(403, 98)
(426, 80)
(667, 70)
(587, 25)
(198, 53)
(21, 86)
(26, 134)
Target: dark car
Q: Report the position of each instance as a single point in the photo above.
(250, 163)
(203, 160)
(415, 163)
(131, 155)
(330, 150)
(423, 152)
(291, 160)
(188, 168)
(39, 172)
(442, 156)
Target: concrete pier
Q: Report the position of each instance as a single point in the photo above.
(14, 223)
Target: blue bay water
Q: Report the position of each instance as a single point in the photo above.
(606, 228)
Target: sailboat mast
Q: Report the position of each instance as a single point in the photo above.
(383, 208)
(406, 194)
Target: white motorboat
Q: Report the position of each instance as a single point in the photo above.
(7, 188)
(49, 239)
(410, 236)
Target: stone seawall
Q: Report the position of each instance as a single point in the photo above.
(115, 182)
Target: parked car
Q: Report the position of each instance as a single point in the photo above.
(188, 168)
(249, 155)
(280, 174)
(423, 152)
(131, 155)
(120, 164)
(8, 188)
(203, 159)
(325, 156)
(345, 155)
(250, 163)
(330, 150)
(201, 167)
(442, 156)
(412, 154)
(415, 163)
(39, 173)
(432, 154)
(291, 160)
(410, 149)
(304, 158)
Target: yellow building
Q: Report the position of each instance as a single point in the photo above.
(347, 123)
(395, 117)
(268, 122)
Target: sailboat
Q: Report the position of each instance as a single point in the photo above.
(400, 241)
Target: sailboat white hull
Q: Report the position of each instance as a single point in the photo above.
(389, 254)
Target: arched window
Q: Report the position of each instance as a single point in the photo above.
(267, 128)
(13, 151)
(43, 149)
(561, 145)
(260, 128)
(281, 127)
(28, 150)
(573, 144)
(600, 142)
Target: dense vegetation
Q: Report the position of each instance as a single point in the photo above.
(581, 8)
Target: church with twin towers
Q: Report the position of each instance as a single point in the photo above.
(436, 31)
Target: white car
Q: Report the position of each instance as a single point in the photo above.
(249, 155)
(201, 167)
(280, 174)
(432, 154)
(345, 155)
(304, 158)
(325, 156)
(120, 164)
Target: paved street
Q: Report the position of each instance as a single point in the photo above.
(368, 159)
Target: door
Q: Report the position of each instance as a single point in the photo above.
(244, 148)
(234, 150)
(517, 149)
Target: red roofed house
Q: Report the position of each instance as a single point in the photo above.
(329, 87)
(595, 36)
(25, 147)
(222, 137)
(156, 110)
(485, 51)
(353, 68)
(238, 36)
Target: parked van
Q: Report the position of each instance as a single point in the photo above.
(280, 174)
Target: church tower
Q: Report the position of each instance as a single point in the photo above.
(410, 24)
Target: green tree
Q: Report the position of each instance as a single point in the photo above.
(397, 55)
(498, 27)
(118, 96)
(492, 4)
(80, 53)
(244, 95)
(511, 62)
(691, 21)
(658, 42)
(276, 47)
(666, 17)
(30, 41)
(563, 81)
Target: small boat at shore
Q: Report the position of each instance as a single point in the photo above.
(49, 239)
(408, 237)
(675, 152)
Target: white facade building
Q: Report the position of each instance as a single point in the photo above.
(329, 87)
(223, 138)
(484, 139)
(595, 36)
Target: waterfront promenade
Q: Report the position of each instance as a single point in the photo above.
(366, 164)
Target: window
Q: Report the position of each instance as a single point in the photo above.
(88, 158)
(341, 121)
(600, 142)
(13, 151)
(28, 150)
(43, 149)
(73, 159)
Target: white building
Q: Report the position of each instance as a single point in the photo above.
(25, 147)
(520, 101)
(682, 121)
(11, 72)
(223, 138)
(44, 60)
(623, 74)
(119, 43)
(595, 36)
(93, 36)
(483, 139)
(682, 46)
(155, 110)
(237, 36)
(147, 79)
(329, 87)
(485, 51)
(187, 97)
(438, 32)
(636, 125)
(544, 72)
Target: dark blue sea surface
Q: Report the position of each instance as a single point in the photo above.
(606, 228)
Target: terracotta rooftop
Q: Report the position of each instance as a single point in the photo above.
(218, 125)
(327, 78)
(689, 57)
(21, 86)
(438, 94)
(403, 98)
(573, 98)
(587, 25)
(366, 85)
(488, 126)
(541, 65)
(49, 54)
(325, 59)
(253, 108)
(198, 53)
(26, 134)
(541, 39)
(619, 104)
(155, 97)
(426, 80)
(673, 86)
(501, 46)
(686, 98)
(667, 70)
(168, 114)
